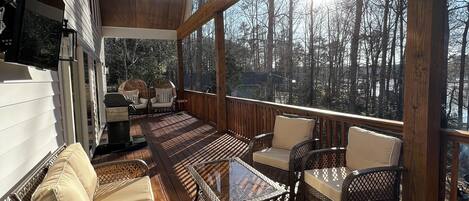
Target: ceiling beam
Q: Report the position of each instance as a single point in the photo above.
(139, 33)
(202, 16)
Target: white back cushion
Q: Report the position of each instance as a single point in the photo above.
(290, 131)
(131, 95)
(164, 95)
(368, 149)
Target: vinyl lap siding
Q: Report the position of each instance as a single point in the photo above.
(30, 103)
(30, 121)
(79, 16)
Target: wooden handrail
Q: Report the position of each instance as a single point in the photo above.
(372, 121)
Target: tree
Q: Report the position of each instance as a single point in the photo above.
(461, 71)
(312, 61)
(354, 55)
(270, 48)
(384, 50)
(290, 52)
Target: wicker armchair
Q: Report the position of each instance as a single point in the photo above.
(137, 92)
(165, 97)
(280, 163)
(328, 174)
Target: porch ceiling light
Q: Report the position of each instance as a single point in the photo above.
(69, 39)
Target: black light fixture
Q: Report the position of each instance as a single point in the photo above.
(69, 43)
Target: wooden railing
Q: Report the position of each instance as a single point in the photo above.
(247, 118)
(202, 105)
(450, 152)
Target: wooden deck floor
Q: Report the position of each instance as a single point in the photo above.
(174, 142)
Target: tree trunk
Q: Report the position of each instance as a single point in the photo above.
(312, 61)
(444, 85)
(198, 55)
(401, 61)
(382, 72)
(461, 73)
(354, 56)
(290, 52)
(270, 49)
(125, 60)
(390, 65)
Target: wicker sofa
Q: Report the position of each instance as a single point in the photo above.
(68, 175)
(368, 169)
(279, 154)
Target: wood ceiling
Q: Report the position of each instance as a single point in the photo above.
(152, 14)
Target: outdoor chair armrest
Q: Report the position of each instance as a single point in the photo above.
(299, 151)
(258, 143)
(324, 158)
(381, 183)
(120, 170)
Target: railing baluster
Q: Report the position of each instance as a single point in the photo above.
(454, 171)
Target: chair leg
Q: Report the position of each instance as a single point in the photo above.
(291, 187)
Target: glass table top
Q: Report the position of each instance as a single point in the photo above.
(233, 180)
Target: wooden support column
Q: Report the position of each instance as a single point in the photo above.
(422, 102)
(221, 71)
(180, 56)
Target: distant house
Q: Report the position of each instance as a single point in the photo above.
(254, 84)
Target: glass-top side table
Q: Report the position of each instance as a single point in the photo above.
(233, 180)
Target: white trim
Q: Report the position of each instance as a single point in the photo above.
(139, 33)
(67, 102)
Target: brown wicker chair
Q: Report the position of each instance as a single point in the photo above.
(289, 174)
(328, 176)
(143, 95)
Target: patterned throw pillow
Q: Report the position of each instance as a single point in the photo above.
(131, 96)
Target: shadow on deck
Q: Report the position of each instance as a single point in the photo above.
(174, 142)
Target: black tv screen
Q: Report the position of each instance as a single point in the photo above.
(37, 34)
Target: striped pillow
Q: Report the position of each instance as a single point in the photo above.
(131, 96)
(164, 95)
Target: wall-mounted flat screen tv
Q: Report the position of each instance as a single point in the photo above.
(37, 33)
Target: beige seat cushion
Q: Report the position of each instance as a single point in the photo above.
(368, 149)
(273, 157)
(160, 105)
(76, 158)
(327, 181)
(131, 190)
(290, 131)
(61, 184)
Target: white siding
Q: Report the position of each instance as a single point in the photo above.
(31, 118)
(30, 121)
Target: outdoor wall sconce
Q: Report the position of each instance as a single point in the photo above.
(69, 43)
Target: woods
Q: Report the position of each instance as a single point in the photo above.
(339, 55)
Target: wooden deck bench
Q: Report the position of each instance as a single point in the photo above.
(67, 174)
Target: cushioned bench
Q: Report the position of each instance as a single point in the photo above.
(68, 175)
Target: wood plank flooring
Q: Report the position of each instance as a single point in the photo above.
(174, 142)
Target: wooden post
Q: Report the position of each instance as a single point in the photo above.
(422, 102)
(180, 92)
(221, 71)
